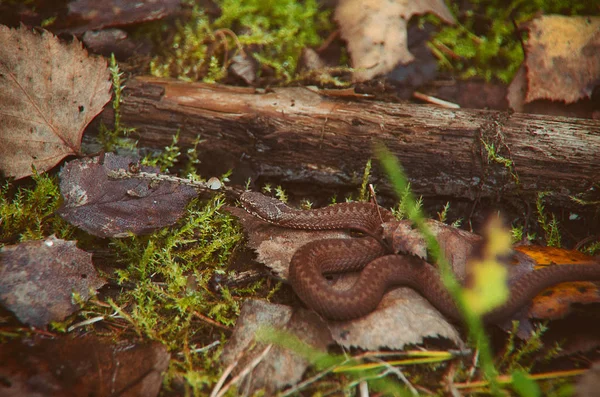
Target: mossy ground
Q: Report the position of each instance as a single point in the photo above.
(271, 33)
(485, 43)
(487, 40)
(164, 277)
(165, 296)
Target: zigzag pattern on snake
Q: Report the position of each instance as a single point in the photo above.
(379, 271)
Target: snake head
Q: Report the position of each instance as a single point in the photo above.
(268, 209)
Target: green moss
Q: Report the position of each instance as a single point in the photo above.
(549, 226)
(170, 299)
(486, 42)
(493, 155)
(276, 32)
(166, 158)
(118, 136)
(27, 213)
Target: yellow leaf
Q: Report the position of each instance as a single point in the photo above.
(489, 287)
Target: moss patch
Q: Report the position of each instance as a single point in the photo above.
(272, 32)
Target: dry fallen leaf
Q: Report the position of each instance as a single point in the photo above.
(38, 279)
(376, 31)
(562, 58)
(87, 366)
(589, 384)
(50, 92)
(114, 208)
(279, 366)
(555, 302)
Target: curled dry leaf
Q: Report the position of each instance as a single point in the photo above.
(280, 366)
(376, 32)
(562, 58)
(38, 279)
(114, 208)
(50, 92)
(87, 366)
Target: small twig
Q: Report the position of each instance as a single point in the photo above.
(151, 176)
(211, 321)
(202, 349)
(435, 101)
(223, 377)
(213, 184)
(249, 368)
(396, 371)
(585, 241)
(303, 384)
(363, 386)
(471, 372)
(223, 32)
(374, 201)
(334, 35)
(85, 322)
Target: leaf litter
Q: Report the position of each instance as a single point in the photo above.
(38, 279)
(259, 366)
(402, 318)
(376, 32)
(105, 207)
(81, 366)
(50, 93)
(561, 61)
(408, 317)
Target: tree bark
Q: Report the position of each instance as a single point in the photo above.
(298, 135)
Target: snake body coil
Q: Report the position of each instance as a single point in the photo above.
(379, 271)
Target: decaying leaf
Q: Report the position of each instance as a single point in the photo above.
(562, 57)
(278, 366)
(87, 366)
(376, 31)
(114, 208)
(38, 279)
(555, 302)
(50, 92)
(402, 318)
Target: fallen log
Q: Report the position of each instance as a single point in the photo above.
(300, 135)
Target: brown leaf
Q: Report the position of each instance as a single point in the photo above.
(402, 318)
(376, 32)
(562, 57)
(279, 366)
(114, 208)
(38, 278)
(555, 302)
(87, 366)
(50, 92)
(589, 384)
(106, 13)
